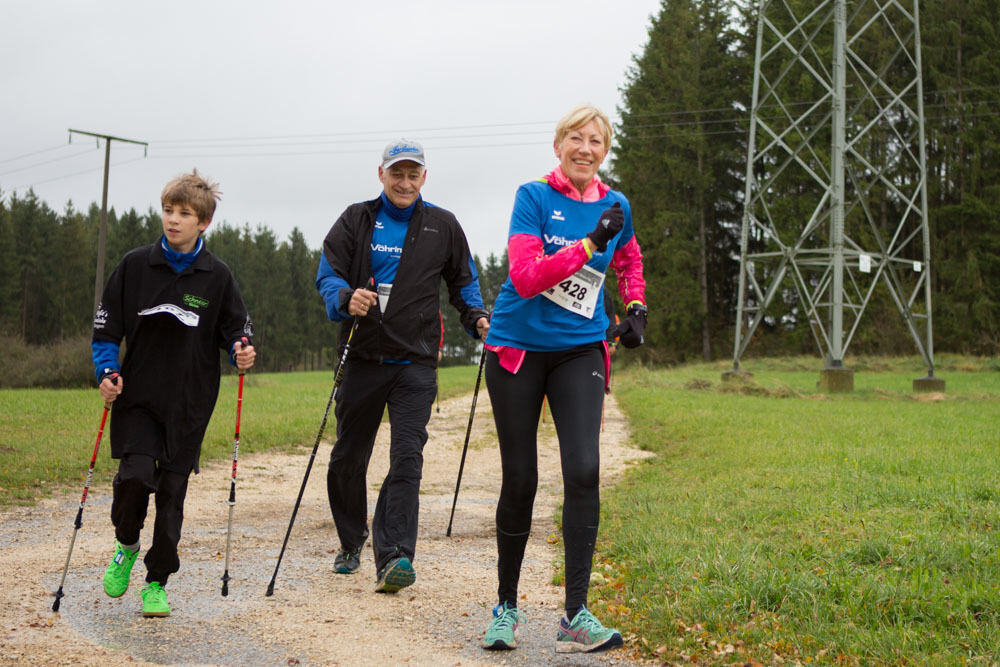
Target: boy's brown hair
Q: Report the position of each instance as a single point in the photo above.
(194, 190)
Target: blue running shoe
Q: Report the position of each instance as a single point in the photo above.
(397, 574)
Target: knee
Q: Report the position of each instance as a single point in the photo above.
(582, 478)
(407, 466)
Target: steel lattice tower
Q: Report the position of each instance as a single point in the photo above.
(836, 190)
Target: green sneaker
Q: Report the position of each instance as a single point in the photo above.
(502, 633)
(585, 635)
(154, 600)
(116, 576)
(397, 573)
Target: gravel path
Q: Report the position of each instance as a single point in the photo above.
(314, 617)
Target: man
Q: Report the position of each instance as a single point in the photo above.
(382, 266)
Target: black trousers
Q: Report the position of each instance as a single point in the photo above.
(138, 477)
(573, 381)
(366, 390)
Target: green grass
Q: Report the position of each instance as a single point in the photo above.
(776, 523)
(47, 435)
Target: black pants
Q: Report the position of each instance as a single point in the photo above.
(366, 389)
(138, 477)
(573, 381)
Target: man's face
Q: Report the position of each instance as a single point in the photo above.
(402, 182)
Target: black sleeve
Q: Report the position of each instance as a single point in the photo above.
(234, 320)
(109, 321)
(458, 275)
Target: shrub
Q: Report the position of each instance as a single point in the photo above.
(57, 365)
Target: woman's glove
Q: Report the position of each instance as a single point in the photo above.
(611, 222)
(630, 331)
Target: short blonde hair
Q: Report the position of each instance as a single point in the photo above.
(194, 190)
(580, 116)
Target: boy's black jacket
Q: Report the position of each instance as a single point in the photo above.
(171, 368)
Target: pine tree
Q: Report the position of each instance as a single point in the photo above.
(677, 160)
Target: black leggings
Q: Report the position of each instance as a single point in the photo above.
(573, 381)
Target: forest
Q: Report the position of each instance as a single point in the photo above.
(680, 155)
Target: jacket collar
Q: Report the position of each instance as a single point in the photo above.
(560, 182)
(202, 261)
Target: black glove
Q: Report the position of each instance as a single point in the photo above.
(630, 331)
(611, 222)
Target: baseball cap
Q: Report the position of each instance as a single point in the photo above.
(403, 149)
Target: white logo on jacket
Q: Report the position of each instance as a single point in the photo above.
(555, 239)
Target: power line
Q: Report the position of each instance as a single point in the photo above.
(75, 173)
(378, 133)
(39, 164)
(32, 154)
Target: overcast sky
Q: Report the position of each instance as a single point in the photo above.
(289, 104)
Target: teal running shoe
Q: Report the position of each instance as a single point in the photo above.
(347, 561)
(585, 634)
(397, 574)
(502, 633)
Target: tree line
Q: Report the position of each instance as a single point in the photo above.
(48, 266)
(680, 157)
(681, 154)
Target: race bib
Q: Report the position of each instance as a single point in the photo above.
(578, 293)
(384, 290)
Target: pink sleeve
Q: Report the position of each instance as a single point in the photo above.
(627, 262)
(532, 271)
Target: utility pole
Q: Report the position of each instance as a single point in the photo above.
(838, 125)
(102, 233)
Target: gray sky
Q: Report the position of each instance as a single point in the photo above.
(289, 104)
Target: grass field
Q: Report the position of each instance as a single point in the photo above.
(47, 435)
(778, 524)
(775, 524)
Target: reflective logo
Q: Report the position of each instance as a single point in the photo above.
(195, 301)
(557, 215)
(555, 239)
(100, 317)
(185, 317)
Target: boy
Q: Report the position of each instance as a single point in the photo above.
(175, 304)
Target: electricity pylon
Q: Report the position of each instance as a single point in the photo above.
(836, 180)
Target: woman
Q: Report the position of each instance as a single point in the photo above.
(548, 338)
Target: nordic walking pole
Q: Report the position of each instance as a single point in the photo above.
(337, 377)
(83, 499)
(468, 432)
(232, 479)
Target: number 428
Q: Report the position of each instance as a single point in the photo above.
(575, 290)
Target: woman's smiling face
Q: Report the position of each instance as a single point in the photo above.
(581, 152)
